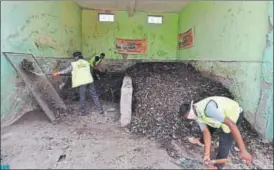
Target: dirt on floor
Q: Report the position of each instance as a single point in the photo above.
(91, 141)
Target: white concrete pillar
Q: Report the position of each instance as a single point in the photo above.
(126, 101)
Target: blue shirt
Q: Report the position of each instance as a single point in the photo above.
(212, 111)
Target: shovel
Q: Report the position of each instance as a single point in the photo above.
(39, 74)
(47, 74)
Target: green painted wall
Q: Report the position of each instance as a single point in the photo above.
(229, 46)
(100, 37)
(43, 28)
(224, 30)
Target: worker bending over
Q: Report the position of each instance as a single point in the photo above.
(95, 64)
(81, 77)
(214, 113)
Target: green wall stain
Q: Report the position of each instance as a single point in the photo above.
(43, 28)
(100, 37)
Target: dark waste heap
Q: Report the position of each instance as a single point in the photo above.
(158, 91)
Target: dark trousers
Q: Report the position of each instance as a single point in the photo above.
(95, 74)
(225, 142)
(90, 88)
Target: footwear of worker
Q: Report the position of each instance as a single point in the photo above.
(195, 141)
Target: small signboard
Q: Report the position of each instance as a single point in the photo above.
(186, 39)
(126, 46)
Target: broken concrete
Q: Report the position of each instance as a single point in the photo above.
(126, 101)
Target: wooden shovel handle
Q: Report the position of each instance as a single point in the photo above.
(219, 161)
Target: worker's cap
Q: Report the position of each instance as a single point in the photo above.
(77, 54)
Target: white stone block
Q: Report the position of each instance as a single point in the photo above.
(126, 101)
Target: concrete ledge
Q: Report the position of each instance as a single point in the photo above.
(126, 101)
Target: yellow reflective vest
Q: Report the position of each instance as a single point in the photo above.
(228, 107)
(80, 73)
(94, 63)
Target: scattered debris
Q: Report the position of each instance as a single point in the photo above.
(108, 88)
(159, 90)
(187, 163)
(27, 65)
(68, 93)
(257, 147)
(61, 158)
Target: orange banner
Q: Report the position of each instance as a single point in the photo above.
(186, 39)
(125, 46)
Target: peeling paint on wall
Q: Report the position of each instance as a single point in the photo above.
(43, 28)
(98, 37)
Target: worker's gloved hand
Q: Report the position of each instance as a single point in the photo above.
(244, 155)
(206, 159)
(55, 74)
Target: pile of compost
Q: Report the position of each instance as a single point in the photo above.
(27, 65)
(68, 93)
(159, 90)
(108, 88)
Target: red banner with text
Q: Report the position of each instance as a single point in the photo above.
(186, 39)
(126, 46)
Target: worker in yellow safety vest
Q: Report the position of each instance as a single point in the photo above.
(95, 64)
(214, 113)
(82, 79)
